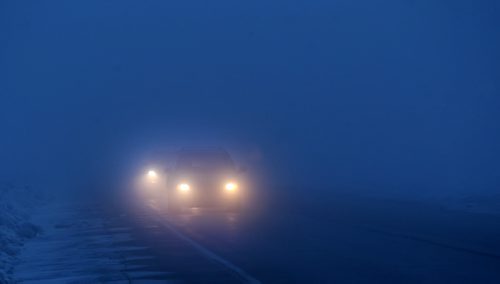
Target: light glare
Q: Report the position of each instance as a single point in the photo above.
(152, 174)
(230, 186)
(184, 187)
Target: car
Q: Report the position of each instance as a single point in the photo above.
(203, 178)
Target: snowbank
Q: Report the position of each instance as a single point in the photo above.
(16, 204)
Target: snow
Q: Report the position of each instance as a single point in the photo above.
(81, 244)
(16, 205)
(66, 249)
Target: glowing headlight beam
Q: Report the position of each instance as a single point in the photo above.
(152, 174)
(231, 186)
(184, 187)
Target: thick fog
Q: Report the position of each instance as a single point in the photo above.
(401, 96)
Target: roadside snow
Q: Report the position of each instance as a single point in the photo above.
(16, 206)
(78, 245)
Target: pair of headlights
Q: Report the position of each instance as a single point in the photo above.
(185, 187)
(230, 186)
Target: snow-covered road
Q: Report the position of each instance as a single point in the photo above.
(102, 242)
(349, 240)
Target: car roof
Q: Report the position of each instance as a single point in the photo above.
(214, 155)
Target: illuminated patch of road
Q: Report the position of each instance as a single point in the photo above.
(240, 273)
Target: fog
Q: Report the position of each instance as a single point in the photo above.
(391, 96)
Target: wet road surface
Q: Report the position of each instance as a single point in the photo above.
(342, 240)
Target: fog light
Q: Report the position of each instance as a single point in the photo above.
(152, 176)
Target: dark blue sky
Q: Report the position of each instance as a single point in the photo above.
(370, 94)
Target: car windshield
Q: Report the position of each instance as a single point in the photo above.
(205, 161)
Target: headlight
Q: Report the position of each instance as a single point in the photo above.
(231, 186)
(184, 187)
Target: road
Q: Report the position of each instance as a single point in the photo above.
(341, 239)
